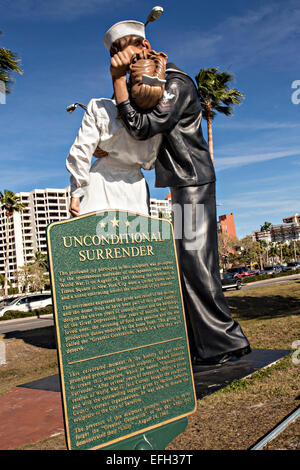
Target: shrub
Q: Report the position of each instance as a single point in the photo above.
(13, 314)
(261, 277)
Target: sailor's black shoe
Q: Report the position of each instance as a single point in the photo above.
(221, 358)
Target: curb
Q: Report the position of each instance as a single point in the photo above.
(267, 281)
(13, 320)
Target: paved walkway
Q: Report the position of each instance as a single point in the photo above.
(33, 411)
(28, 416)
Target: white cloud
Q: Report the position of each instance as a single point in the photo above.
(264, 181)
(255, 125)
(269, 34)
(21, 177)
(204, 44)
(226, 163)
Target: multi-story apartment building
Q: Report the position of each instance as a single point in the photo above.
(27, 229)
(226, 225)
(294, 219)
(288, 231)
(262, 235)
(161, 208)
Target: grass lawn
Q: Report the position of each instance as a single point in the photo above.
(240, 414)
(232, 418)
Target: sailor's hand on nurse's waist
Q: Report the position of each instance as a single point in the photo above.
(119, 64)
(99, 153)
(74, 206)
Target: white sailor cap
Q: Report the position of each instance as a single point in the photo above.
(124, 28)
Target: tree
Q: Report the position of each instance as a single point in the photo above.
(216, 96)
(287, 252)
(274, 252)
(11, 203)
(261, 244)
(37, 278)
(31, 277)
(9, 62)
(297, 249)
(226, 248)
(280, 246)
(42, 260)
(1, 284)
(21, 278)
(265, 227)
(251, 250)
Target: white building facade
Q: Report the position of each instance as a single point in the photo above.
(286, 232)
(161, 208)
(27, 229)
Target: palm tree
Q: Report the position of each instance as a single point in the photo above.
(42, 260)
(215, 96)
(9, 62)
(266, 227)
(273, 252)
(287, 252)
(11, 203)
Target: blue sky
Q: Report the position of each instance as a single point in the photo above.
(61, 45)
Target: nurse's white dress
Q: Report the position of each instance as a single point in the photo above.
(115, 181)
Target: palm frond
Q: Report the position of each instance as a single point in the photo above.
(214, 92)
(10, 201)
(9, 62)
(227, 110)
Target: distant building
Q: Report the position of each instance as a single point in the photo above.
(161, 208)
(259, 236)
(27, 229)
(288, 231)
(294, 219)
(226, 225)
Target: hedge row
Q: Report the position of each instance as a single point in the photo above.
(12, 314)
(261, 277)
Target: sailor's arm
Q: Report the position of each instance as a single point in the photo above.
(78, 162)
(162, 118)
(142, 125)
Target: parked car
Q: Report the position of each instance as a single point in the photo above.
(229, 281)
(294, 265)
(253, 272)
(271, 269)
(8, 301)
(286, 268)
(28, 303)
(280, 267)
(238, 272)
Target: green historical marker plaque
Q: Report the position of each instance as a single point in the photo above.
(123, 352)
